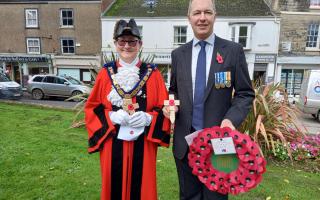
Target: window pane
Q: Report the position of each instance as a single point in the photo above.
(243, 31)
(71, 50)
(312, 35)
(37, 79)
(176, 31)
(68, 46)
(33, 45)
(70, 42)
(64, 13)
(70, 22)
(31, 18)
(60, 81)
(49, 79)
(180, 34)
(65, 22)
(233, 33)
(243, 41)
(64, 42)
(69, 14)
(67, 17)
(184, 30)
(175, 40)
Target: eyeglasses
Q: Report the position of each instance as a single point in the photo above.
(131, 43)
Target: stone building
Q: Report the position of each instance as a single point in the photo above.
(299, 48)
(49, 36)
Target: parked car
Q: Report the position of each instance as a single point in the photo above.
(40, 86)
(309, 100)
(9, 89)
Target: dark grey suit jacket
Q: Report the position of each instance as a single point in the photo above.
(219, 103)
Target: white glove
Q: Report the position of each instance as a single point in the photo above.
(120, 117)
(140, 119)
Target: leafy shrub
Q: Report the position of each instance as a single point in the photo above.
(272, 119)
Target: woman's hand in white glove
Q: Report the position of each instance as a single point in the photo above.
(139, 119)
(120, 117)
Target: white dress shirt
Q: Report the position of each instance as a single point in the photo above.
(195, 52)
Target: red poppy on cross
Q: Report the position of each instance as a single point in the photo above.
(172, 103)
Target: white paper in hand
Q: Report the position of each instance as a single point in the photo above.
(191, 136)
(128, 133)
(223, 146)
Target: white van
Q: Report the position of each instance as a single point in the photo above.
(309, 100)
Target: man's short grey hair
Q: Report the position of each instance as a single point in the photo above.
(190, 2)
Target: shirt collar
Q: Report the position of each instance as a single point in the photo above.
(209, 40)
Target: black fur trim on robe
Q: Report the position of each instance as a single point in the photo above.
(99, 111)
(158, 133)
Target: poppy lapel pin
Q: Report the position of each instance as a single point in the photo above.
(219, 58)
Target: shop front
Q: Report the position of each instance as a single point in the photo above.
(21, 68)
(291, 71)
(264, 67)
(76, 66)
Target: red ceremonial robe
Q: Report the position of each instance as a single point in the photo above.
(128, 168)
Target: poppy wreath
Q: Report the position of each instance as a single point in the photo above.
(250, 168)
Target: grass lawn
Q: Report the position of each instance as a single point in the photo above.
(40, 158)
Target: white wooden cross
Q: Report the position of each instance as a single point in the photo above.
(129, 106)
(172, 103)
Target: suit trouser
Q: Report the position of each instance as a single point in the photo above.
(190, 186)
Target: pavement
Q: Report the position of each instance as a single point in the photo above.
(52, 102)
(308, 122)
(311, 125)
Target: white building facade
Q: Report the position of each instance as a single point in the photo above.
(160, 35)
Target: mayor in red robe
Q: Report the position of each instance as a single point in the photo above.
(128, 166)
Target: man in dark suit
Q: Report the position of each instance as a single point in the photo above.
(210, 78)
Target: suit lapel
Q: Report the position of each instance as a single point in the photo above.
(187, 53)
(218, 47)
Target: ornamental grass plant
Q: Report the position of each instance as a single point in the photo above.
(272, 120)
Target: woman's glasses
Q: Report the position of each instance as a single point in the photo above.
(131, 43)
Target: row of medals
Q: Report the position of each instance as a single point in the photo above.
(222, 79)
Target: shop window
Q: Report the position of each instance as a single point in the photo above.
(292, 80)
(315, 4)
(69, 72)
(39, 70)
(66, 18)
(33, 45)
(85, 76)
(180, 35)
(313, 37)
(67, 46)
(31, 17)
(241, 33)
